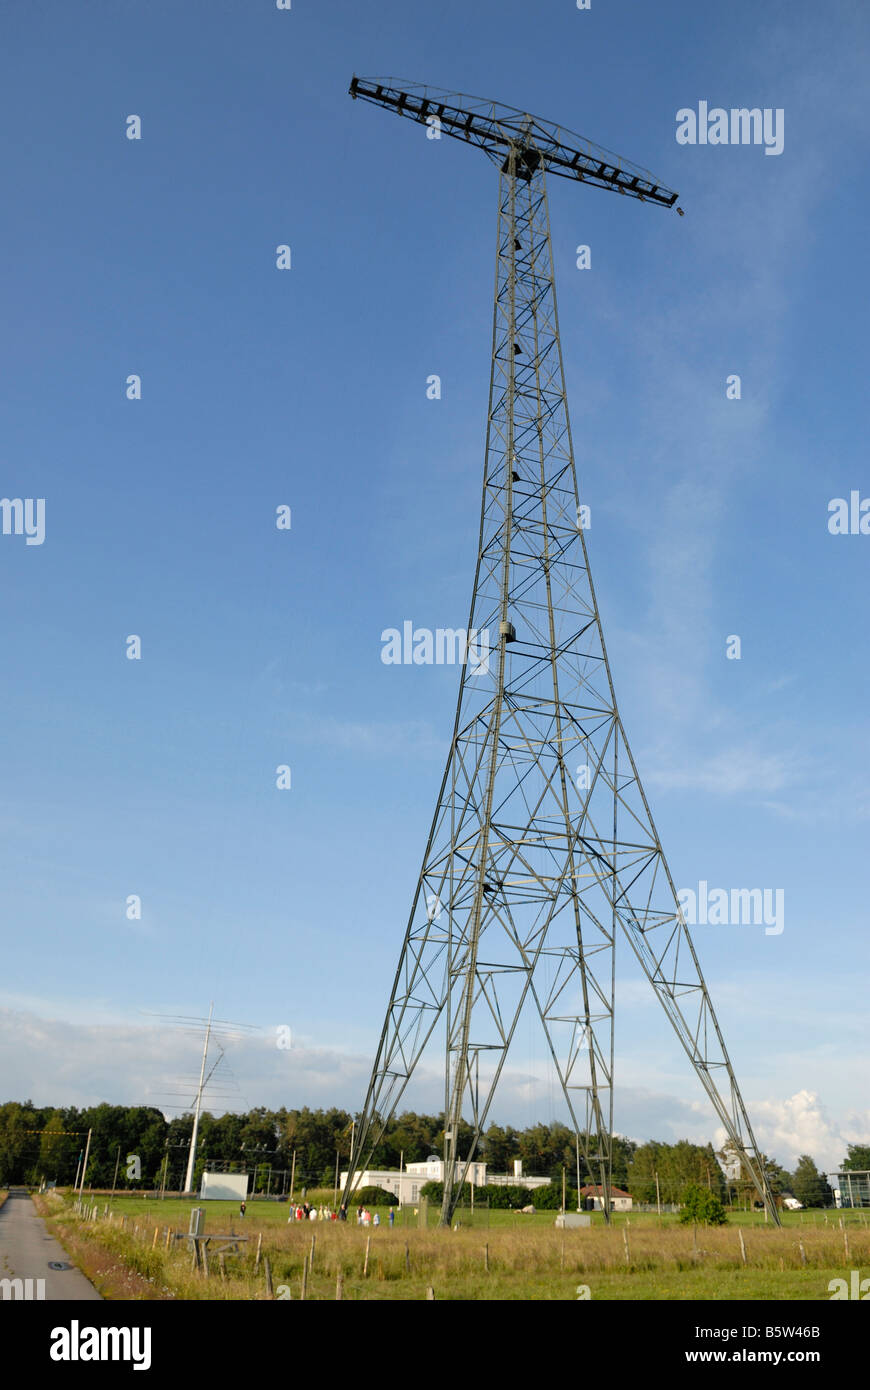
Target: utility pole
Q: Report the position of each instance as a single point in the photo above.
(188, 1181)
(85, 1164)
(292, 1175)
(527, 861)
(658, 1196)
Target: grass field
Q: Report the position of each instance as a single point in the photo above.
(129, 1252)
(261, 1215)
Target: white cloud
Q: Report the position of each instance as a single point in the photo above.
(800, 1124)
(733, 771)
(58, 1062)
(383, 738)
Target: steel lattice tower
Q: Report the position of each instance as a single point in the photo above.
(543, 848)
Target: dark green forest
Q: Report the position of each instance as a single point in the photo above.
(47, 1142)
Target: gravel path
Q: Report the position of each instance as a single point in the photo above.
(27, 1251)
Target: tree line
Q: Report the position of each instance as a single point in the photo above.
(48, 1142)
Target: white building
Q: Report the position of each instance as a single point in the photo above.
(432, 1170)
(406, 1184)
(619, 1199)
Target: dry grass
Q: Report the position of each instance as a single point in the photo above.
(635, 1260)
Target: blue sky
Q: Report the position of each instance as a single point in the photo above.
(308, 388)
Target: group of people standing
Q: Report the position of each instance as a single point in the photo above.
(365, 1218)
(304, 1212)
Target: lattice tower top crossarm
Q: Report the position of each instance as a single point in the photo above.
(496, 129)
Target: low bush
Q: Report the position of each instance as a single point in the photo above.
(549, 1198)
(701, 1205)
(374, 1197)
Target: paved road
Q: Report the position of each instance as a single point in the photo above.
(26, 1249)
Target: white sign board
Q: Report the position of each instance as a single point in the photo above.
(224, 1187)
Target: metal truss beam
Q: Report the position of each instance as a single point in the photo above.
(497, 129)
